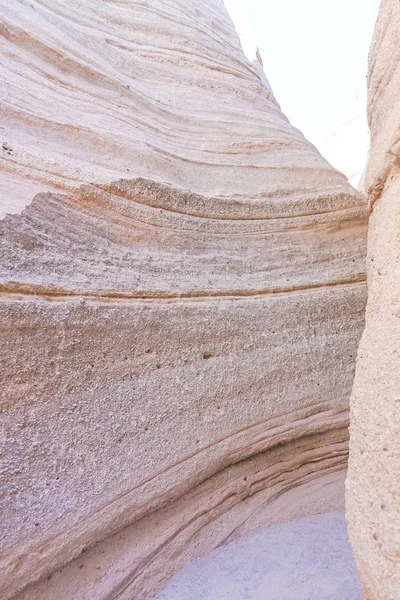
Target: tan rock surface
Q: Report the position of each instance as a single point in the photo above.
(179, 344)
(373, 494)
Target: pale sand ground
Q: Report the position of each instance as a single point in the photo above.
(306, 559)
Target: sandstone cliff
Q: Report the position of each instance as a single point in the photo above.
(373, 500)
(180, 305)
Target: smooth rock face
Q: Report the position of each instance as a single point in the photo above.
(179, 345)
(373, 487)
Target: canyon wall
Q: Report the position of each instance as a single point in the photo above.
(373, 489)
(181, 303)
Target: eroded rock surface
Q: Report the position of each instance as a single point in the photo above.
(180, 307)
(373, 495)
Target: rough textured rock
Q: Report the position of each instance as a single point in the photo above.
(373, 488)
(178, 346)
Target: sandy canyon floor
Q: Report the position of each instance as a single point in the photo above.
(306, 559)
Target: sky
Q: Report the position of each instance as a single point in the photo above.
(315, 56)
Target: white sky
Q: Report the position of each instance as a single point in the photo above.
(315, 56)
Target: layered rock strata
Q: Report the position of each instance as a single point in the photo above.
(180, 306)
(373, 494)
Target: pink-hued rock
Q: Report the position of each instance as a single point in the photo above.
(373, 486)
(180, 306)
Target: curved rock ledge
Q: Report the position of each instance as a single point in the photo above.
(180, 305)
(268, 488)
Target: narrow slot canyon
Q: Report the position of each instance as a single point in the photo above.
(195, 305)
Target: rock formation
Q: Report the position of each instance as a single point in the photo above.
(180, 305)
(373, 490)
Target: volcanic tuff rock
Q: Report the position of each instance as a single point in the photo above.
(180, 305)
(373, 494)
